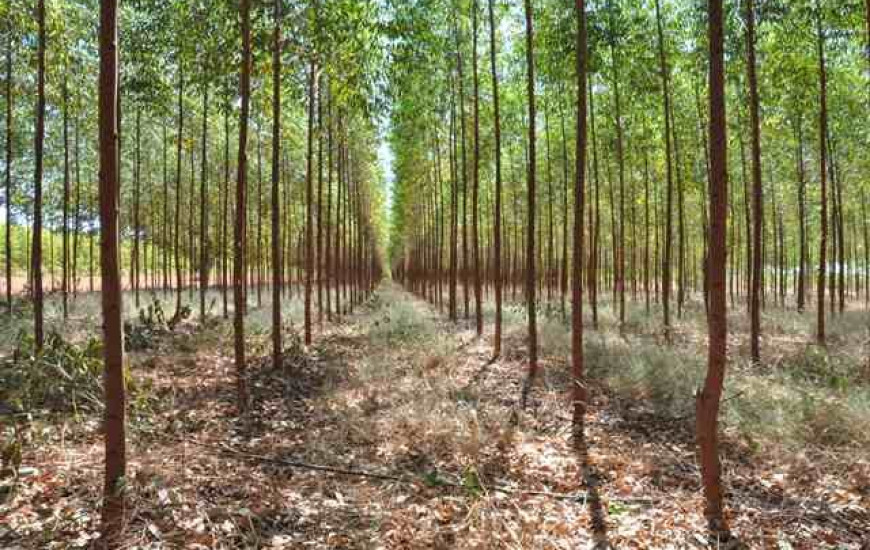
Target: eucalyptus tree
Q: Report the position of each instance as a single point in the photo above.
(497, 229)
(579, 391)
(39, 145)
(110, 262)
(276, 183)
(240, 245)
(757, 194)
(709, 397)
(531, 205)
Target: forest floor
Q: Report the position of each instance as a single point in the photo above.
(395, 431)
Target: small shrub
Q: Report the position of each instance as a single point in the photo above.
(63, 377)
(143, 333)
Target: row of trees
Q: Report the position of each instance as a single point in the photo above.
(178, 96)
(483, 209)
(798, 206)
(144, 161)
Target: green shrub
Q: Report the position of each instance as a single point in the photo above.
(63, 377)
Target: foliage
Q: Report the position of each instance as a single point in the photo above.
(63, 377)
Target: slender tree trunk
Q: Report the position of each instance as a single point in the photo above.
(548, 269)
(203, 207)
(563, 283)
(39, 138)
(757, 196)
(179, 283)
(454, 211)
(319, 214)
(78, 207)
(239, 297)
(646, 255)
(226, 213)
(134, 264)
(497, 276)
(475, 189)
(802, 217)
(596, 222)
(464, 173)
(666, 95)
(708, 399)
(837, 182)
(619, 246)
(276, 184)
(66, 196)
(110, 259)
(309, 201)
(328, 227)
(9, 125)
(530, 244)
(823, 174)
(166, 225)
(257, 271)
(579, 392)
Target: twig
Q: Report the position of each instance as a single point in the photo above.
(408, 479)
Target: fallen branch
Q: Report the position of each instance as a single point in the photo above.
(407, 479)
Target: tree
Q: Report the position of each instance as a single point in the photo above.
(110, 266)
(579, 393)
(39, 138)
(497, 275)
(757, 196)
(9, 124)
(276, 183)
(666, 98)
(823, 175)
(709, 397)
(619, 249)
(239, 292)
(531, 192)
(309, 199)
(475, 182)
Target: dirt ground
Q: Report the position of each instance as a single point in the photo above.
(395, 431)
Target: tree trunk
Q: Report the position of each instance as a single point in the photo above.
(475, 189)
(276, 184)
(309, 201)
(319, 214)
(802, 217)
(66, 196)
(823, 175)
(596, 222)
(9, 124)
(39, 138)
(203, 207)
(239, 295)
(666, 95)
(226, 214)
(177, 237)
(112, 298)
(579, 393)
(619, 246)
(708, 399)
(497, 276)
(134, 264)
(757, 197)
(530, 244)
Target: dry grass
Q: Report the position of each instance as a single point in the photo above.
(396, 389)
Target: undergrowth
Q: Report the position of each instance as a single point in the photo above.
(63, 377)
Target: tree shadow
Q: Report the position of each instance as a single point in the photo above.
(592, 481)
